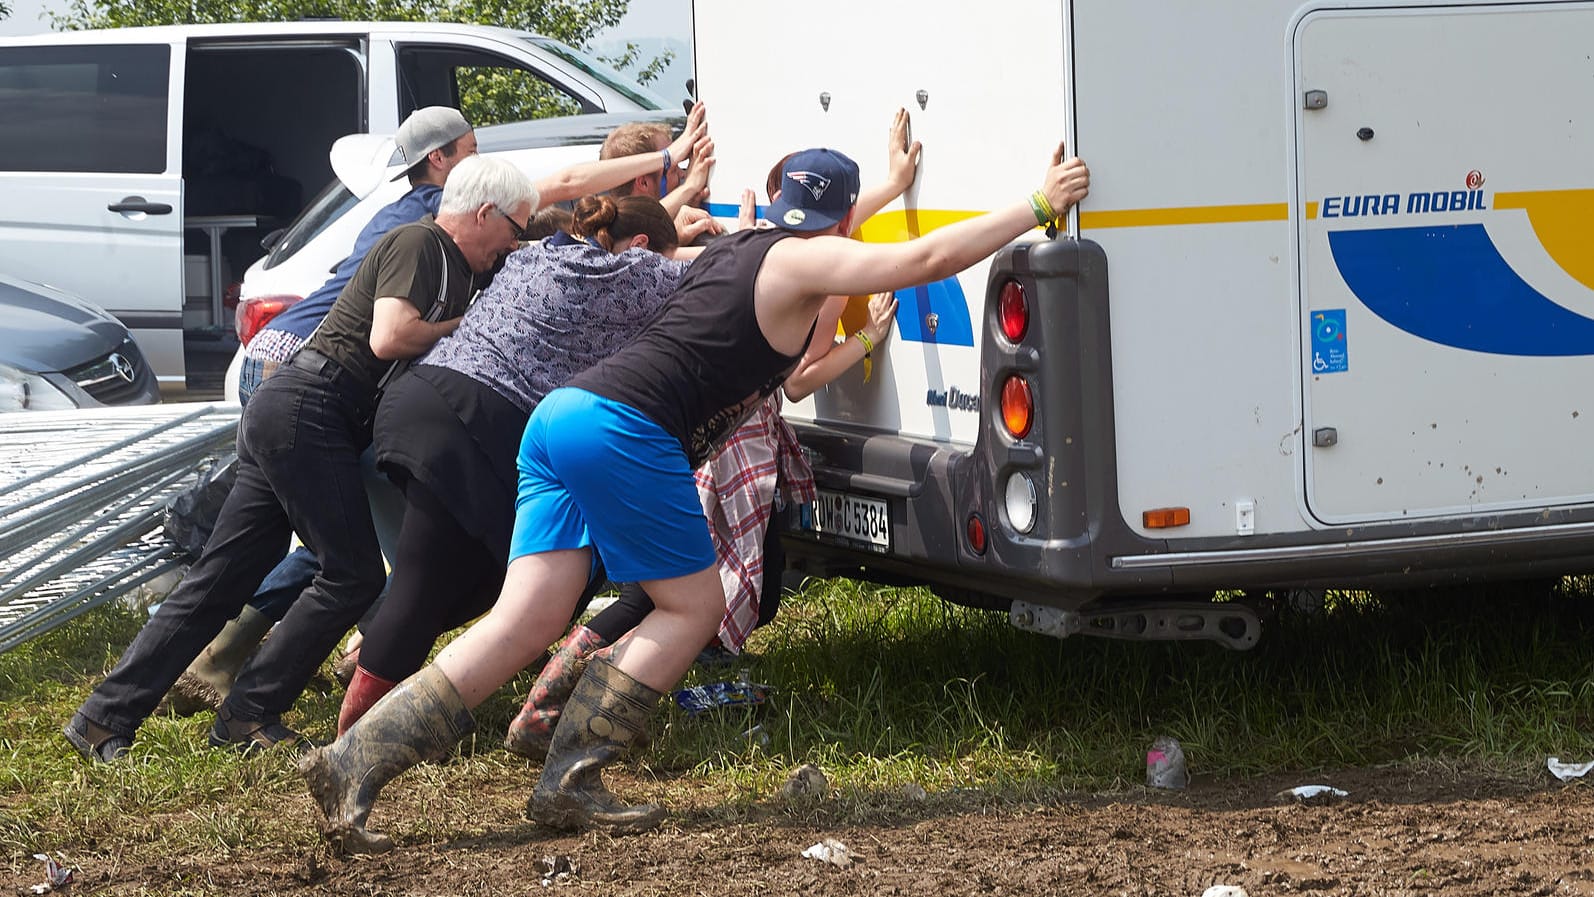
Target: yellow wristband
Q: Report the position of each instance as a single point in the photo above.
(868, 352)
(1045, 205)
(868, 344)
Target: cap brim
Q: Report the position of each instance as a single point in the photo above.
(790, 218)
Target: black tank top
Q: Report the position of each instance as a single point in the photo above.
(701, 366)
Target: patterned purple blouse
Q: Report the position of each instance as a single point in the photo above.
(552, 312)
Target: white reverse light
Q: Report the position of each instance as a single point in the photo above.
(1020, 502)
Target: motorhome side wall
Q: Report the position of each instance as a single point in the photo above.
(1402, 272)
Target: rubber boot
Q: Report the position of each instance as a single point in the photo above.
(365, 689)
(418, 721)
(532, 729)
(208, 680)
(606, 713)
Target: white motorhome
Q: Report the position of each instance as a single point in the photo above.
(1326, 318)
(140, 168)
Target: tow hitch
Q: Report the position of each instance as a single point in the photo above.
(1230, 624)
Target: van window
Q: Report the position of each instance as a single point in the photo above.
(489, 89)
(330, 204)
(99, 108)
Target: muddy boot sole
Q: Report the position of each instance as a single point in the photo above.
(565, 811)
(191, 695)
(342, 827)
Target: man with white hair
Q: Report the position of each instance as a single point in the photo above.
(299, 446)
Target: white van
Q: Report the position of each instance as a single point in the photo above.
(1326, 317)
(140, 168)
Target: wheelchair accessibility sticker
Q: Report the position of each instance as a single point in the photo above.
(1328, 342)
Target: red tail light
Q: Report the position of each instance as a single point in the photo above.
(1018, 406)
(976, 534)
(256, 312)
(1012, 307)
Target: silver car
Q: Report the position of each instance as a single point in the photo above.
(58, 351)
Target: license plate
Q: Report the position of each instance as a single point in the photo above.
(850, 518)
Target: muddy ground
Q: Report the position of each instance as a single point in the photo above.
(1400, 831)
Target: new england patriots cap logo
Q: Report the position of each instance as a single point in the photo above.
(815, 183)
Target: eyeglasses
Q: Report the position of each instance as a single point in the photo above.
(520, 231)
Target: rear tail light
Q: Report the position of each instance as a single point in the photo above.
(254, 313)
(1018, 406)
(1012, 308)
(976, 534)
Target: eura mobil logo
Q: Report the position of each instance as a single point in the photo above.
(1451, 283)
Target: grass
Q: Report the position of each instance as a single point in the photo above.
(881, 688)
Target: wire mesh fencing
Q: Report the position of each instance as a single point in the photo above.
(82, 494)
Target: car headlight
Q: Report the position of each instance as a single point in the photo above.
(22, 391)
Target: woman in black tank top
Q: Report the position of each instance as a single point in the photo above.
(777, 281)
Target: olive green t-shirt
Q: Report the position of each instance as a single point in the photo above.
(408, 263)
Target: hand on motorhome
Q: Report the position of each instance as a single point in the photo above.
(902, 165)
(882, 314)
(692, 222)
(693, 186)
(698, 168)
(826, 359)
(696, 129)
(902, 157)
(747, 211)
(1067, 181)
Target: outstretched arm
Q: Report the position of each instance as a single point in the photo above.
(583, 178)
(801, 269)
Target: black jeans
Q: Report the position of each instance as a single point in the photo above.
(299, 447)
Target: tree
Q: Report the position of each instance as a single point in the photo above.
(486, 95)
(572, 21)
(5, 9)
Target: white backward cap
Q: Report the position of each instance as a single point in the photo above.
(427, 129)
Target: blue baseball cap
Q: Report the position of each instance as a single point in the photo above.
(817, 188)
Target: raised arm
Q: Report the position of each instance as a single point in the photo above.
(826, 359)
(902, 163)
(595, 177)
(694, 185)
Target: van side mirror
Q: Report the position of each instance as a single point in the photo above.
(272, 239)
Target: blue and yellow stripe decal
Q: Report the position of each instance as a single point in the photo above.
(1446, 284)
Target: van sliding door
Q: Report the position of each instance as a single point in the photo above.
(92, 194)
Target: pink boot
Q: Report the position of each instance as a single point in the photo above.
(532, 729)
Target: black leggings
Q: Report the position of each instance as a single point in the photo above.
(633, 604)
(442, 578)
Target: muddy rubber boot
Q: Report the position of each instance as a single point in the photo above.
(208, 680)
(606, 713)
(418, 721)
(365, 689)
(532, 729)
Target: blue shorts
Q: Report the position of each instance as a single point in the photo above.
(599, 473)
